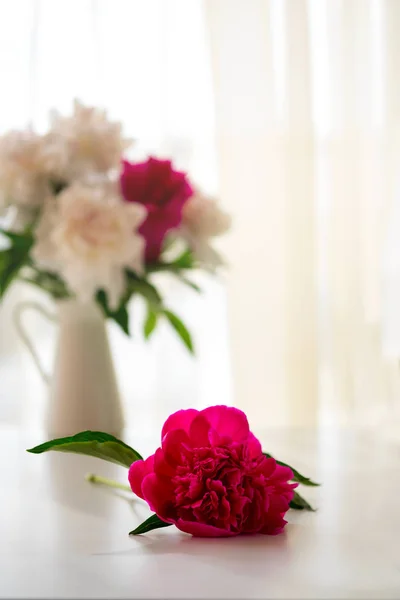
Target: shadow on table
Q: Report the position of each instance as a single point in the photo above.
(229, 552)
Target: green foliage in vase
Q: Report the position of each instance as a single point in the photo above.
(17, 264)
(81, 220)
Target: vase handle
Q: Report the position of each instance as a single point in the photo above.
(18, 312)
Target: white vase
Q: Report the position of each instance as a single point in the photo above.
(83, 391)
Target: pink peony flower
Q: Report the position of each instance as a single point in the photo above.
(210, 477)
(163, 192)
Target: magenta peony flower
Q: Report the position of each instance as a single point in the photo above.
(163, 192)
(210, 477)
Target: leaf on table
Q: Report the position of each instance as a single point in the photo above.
(153, 522)
(93, 443)
(300, 503)
(298, 477)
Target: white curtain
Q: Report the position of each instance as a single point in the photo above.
(308, 121)
(290, 110)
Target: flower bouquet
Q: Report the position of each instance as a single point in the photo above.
(209, 478)
(83, 222)
(92, 230)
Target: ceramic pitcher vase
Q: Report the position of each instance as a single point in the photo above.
(83, 392)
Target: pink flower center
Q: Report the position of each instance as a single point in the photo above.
(216, 486)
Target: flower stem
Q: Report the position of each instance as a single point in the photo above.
(109, 482)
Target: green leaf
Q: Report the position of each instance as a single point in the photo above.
(6, 270)
(298, 477)
(143, 288)
(158, 267)
(185, 260)
(49, 282)
(153, 522)
(12, 259)
(120, 316)
(93, 443)
(299, 503)
(189, 283)
(18, 240)
(180, 329)
(150, 323)
(182, 262)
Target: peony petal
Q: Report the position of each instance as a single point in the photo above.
(228, 421)
(274, 526)
(288, 492)
(202, 530)
(282, 473)
(278, 504)
(158, 493)
(198, 432)
(268, 467)
(172, 446)
(214, 438)
(255, 448)
(137, 472)
(181, 419)
(161, 467)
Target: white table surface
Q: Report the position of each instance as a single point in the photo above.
(61, 537)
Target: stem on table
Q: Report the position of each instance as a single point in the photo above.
(92, 478)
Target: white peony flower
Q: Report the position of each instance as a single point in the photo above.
(88, 237)
(84, 142)
(53, 156)
(203, 220)
(22, 179)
